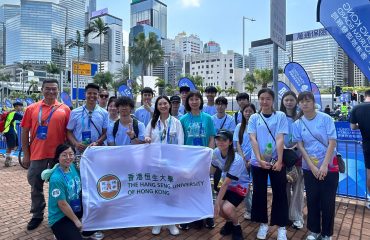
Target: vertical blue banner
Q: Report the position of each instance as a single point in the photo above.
(282, 88)
(348, 22)
(186, 82)
(298, 77)
(66, 99)
(29, 101)
(317, 95)
(125, 91)
(8, 103)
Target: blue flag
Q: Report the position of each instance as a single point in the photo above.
(66, 99)
(348, 22)
(29, 101)
(298, 77)
(282, 88)
(187, 82)
(125, 91)
(317, 95)
(8, 103)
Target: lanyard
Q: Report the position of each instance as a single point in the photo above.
(66, 180)
(201, 123)
(89, 116)
(49, 117)
(164, 131)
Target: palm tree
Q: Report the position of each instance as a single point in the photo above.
(250, 87)
(146, 52)
(72, 43)
(4, 78)
(250, 83)
(170, 90)
(231, 92)
(52, 68)
(103, 79)
(263, 76)
(24, 67)
(116, 84)
(160, 84)
(34, 86)
(99, 27)
(219, 90)
(122, 73)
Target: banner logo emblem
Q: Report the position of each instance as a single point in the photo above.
(108, 186)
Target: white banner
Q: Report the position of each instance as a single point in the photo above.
(145, 185)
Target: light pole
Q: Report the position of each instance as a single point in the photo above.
(252, 20)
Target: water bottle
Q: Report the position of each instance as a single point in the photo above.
(267, 155)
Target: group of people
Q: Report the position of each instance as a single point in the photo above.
(248, 147)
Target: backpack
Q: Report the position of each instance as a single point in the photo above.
(3, 118)
(236, 117)
(135, 127)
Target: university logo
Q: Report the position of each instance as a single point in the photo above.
(108, 186)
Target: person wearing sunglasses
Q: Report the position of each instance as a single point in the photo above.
(103, 98)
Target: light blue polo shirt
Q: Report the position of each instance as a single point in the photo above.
(211, 110)
(246, 145)
(229, 122)
(143, 115)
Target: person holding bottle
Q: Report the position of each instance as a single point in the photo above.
(165, 129)
(266, 131)
(315, 135)
(244, 148)
(295, 190)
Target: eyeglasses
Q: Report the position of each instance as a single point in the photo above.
(67, 155)
(103, 96)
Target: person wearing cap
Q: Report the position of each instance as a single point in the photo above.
(184, 92)
(242, 99)
(145, 112)
(210, 107)
(10, 131)
(175, 104)
(234, 186)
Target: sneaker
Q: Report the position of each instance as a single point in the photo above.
(184, 226)
(325, 238)
(297, 224)
(313, 236)
(247, 215)
(227, 229)
(34, 223)
(197, 224)
(97, 236)
(210, 223)
(237, 233)
(262, 231)
(156, 230)
(8, 161)
(173, 230)
(281, 233)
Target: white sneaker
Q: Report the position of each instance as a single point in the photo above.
(297, 224)
(281, 233)
(97, 236)
(262, 231)
(247, 215)
(313, 236)
(325, 238)
(156, 230)
(173, 230)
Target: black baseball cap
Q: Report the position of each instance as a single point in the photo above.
(184, 88)
(224, 134)
(175, 98)
(18, 104)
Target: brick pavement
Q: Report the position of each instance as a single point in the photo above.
(352, 220)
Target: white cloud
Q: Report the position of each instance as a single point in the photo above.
(191, 3)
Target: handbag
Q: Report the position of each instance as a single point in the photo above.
(290, 157)
(337, 159)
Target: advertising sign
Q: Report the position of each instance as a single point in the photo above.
(297, 76)
(278, 22)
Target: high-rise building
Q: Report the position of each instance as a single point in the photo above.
(112, 47)
(7, 11)
(187, 44)
(319, 54)
(36, 33)
(211, 47)
(216, 69)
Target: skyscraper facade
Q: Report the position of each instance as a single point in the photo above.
(7, 11)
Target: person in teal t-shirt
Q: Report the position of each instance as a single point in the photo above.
(65, 205)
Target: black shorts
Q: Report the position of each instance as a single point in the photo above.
(232, 197)
(366, 150)
(11, 139)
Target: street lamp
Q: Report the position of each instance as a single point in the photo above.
(252, 20)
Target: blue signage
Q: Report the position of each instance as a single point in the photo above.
(186, 82)
(317, 95)
(66, 99)
(282, 88)
(345, 97)
(125, 91)
(297, 76)
(344, 132)
(348, 22)
(8, 103)
(29, 101)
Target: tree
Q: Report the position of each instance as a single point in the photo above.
(99, 27)
(170, 90)
(52, 68)
(116, 84)
(34, 86)
(24, 67)
(231, 92)
(146, 52)
(123, 73)
(78, 43)
(103, 79)
(250, 83)
(160, 84)
(263, 76)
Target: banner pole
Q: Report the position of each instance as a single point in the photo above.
(275, 73)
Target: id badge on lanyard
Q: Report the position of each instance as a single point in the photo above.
(42, 131)
(86, 134)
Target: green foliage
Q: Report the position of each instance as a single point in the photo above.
(263, 76)
(170, 90)
(52, 68)
(147, 52)
(103, 79)
(160, 84)
(122, 74)
(34, 86)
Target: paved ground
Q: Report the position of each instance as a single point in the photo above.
(352, 220)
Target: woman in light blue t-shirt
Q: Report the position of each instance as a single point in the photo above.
(315, 134)
(266, 132)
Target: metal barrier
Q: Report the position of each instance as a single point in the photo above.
(19, 132)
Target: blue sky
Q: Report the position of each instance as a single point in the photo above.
(221, 20)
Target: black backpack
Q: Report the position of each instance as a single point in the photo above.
(135, 126)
